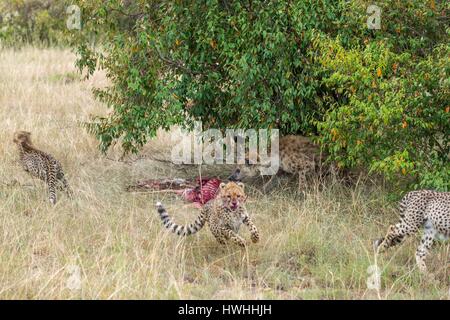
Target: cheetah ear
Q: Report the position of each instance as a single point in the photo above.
(240, 184)
(222, 184)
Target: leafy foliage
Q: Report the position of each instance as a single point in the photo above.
(392, 114)
(375, 98)
(40, 22)
(390, 107)
(226, 63)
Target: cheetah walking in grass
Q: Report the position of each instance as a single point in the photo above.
(425, 209)
(41, 165)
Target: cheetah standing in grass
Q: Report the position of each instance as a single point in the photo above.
(41, 165)
(225, 214)
(423, 208)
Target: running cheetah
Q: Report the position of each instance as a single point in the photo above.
(225, 214)
(422, 208)
(41, 165)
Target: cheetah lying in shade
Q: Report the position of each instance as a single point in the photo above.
(298, 155)
(425, 209)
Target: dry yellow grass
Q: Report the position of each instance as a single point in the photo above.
(114, 244)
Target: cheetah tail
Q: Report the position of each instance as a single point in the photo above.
(185, 230)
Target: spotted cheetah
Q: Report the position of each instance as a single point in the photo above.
(297, 155)
(41, 165)
(225, 214)
(422, 208)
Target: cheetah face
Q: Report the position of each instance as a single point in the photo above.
(232, 194)
(21, 137)
(250, 170)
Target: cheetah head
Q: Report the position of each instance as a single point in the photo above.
(253, 165)
(21, 137)
(232, 194)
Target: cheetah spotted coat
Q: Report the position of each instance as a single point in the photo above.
(425, 209)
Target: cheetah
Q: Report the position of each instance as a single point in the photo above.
(298, 155)
(41, 165)
(225, 214)
(420, 209)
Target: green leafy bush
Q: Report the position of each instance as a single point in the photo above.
(40, 22)
(377, 98)
(392, 114)
(226, 63)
